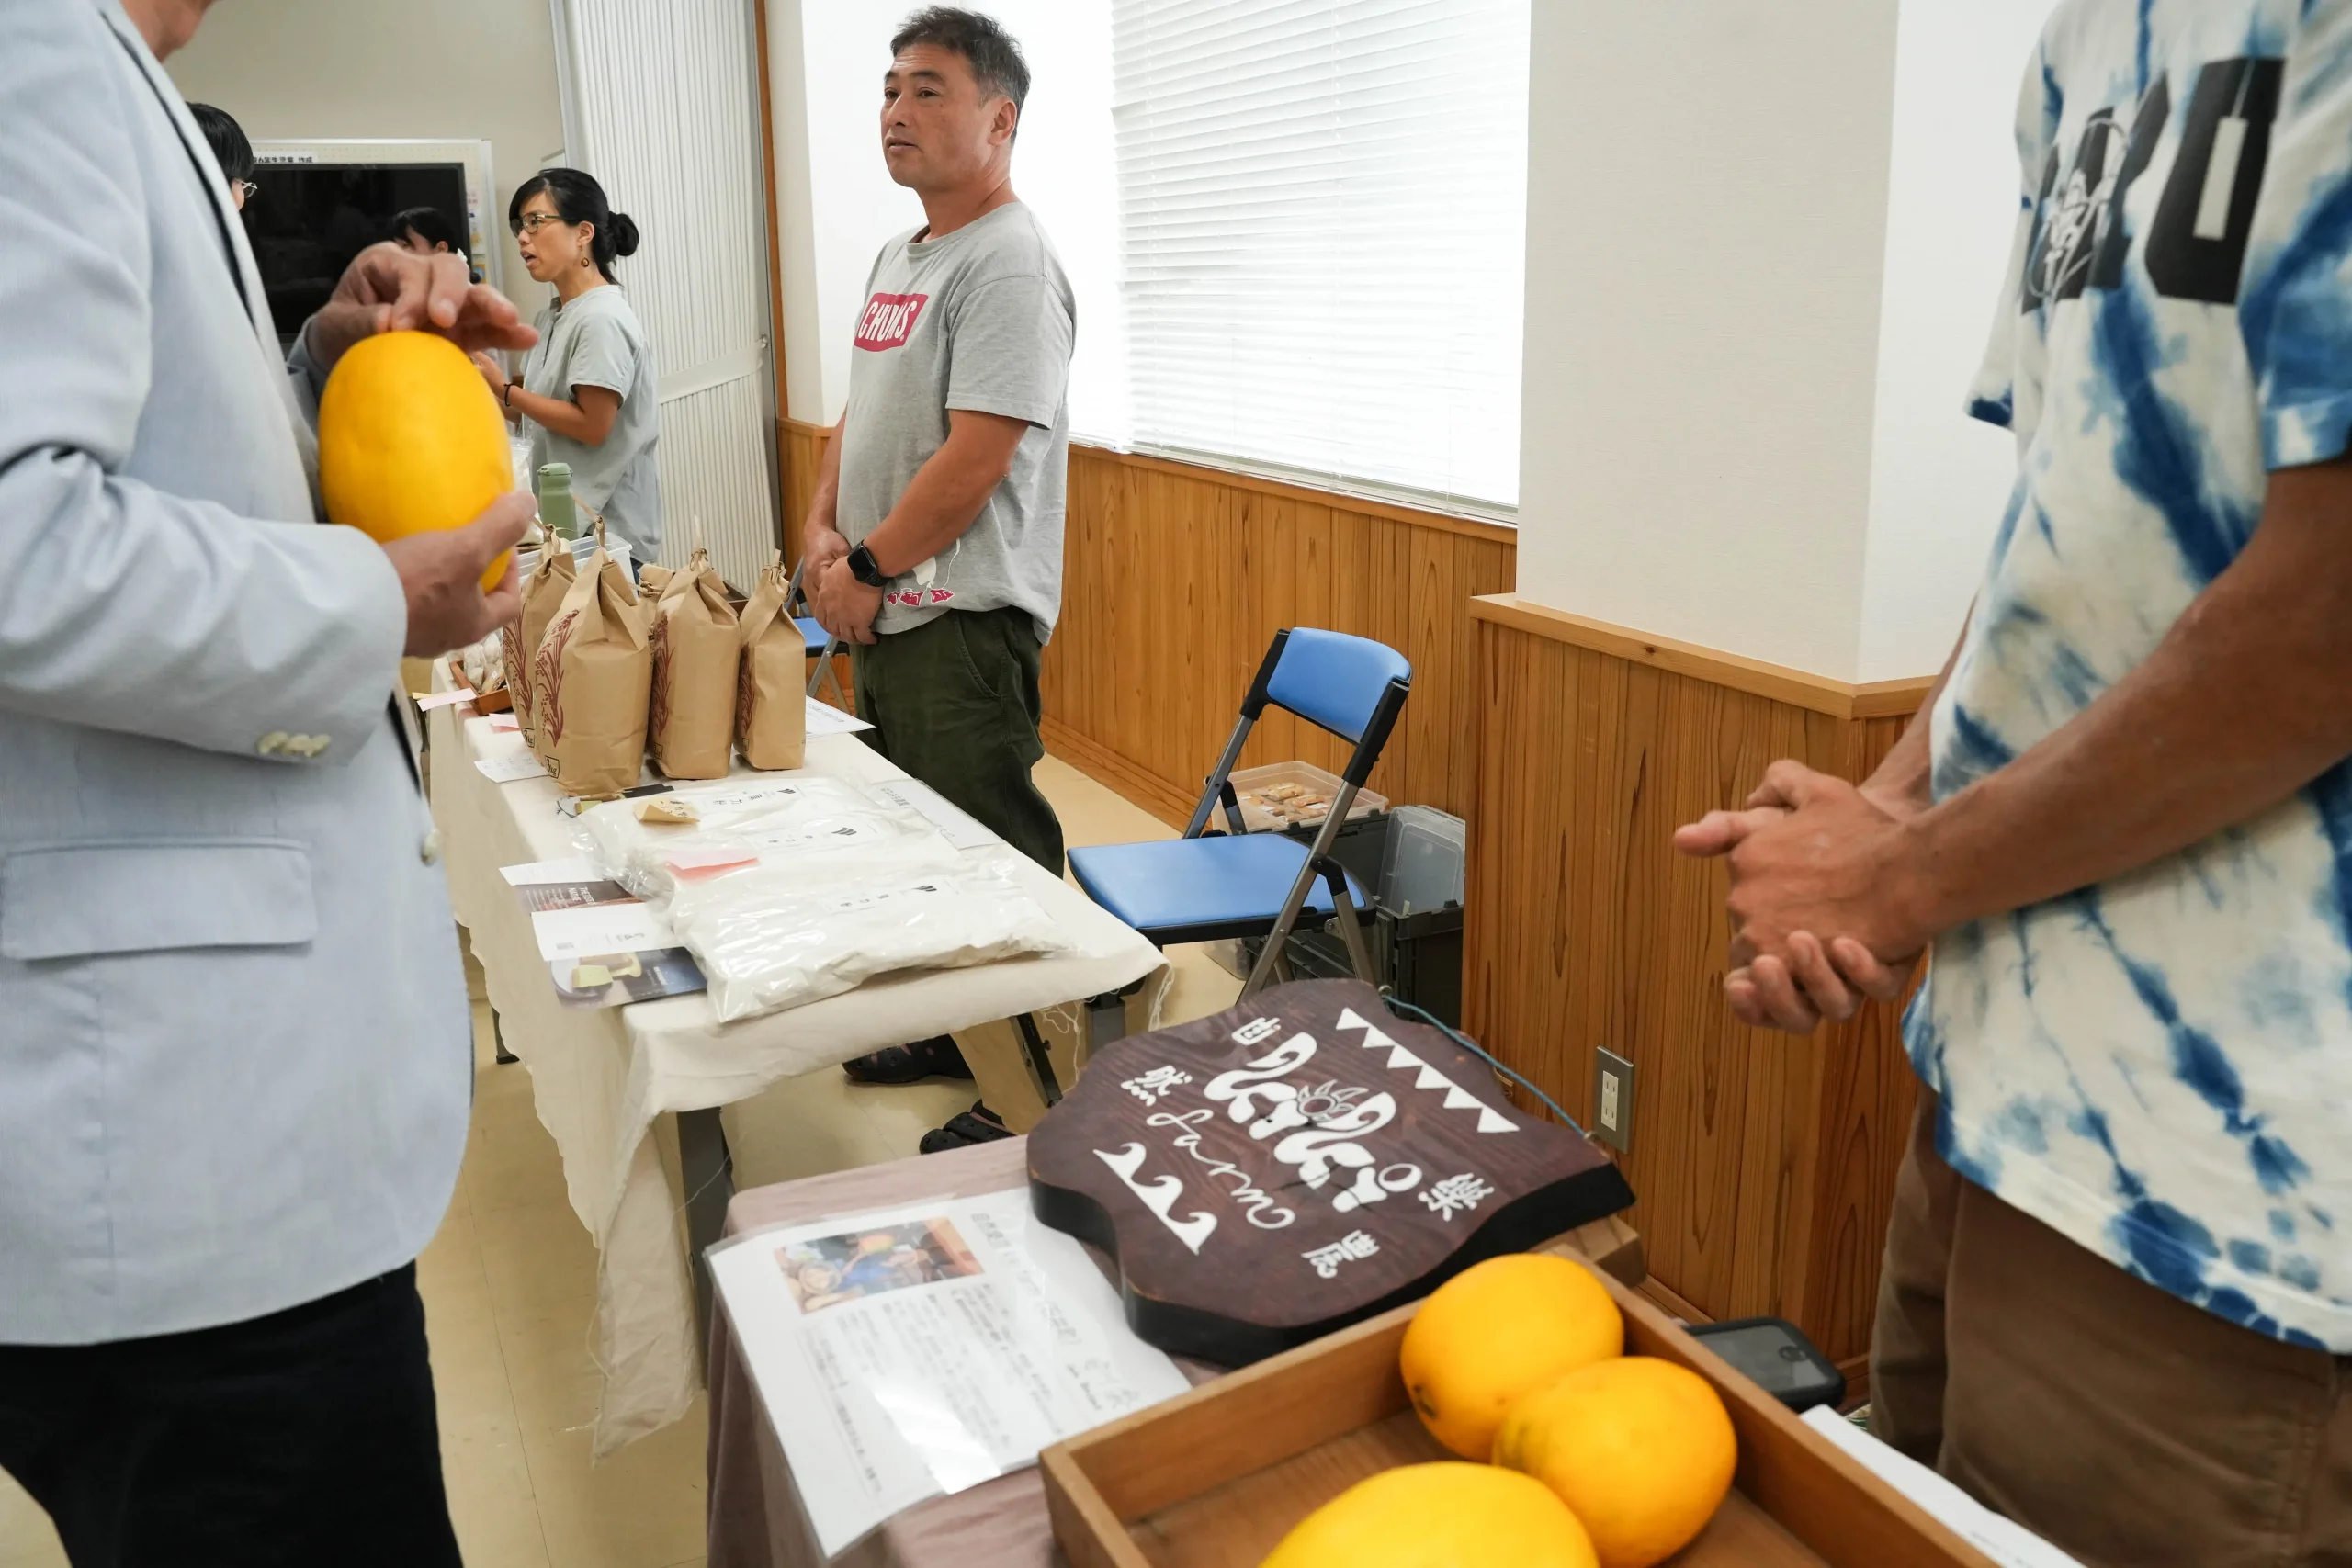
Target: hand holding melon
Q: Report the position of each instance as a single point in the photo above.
(412, 444)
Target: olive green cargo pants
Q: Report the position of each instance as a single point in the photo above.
(955, 703)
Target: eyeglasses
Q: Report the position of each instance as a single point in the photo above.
(531, 222)
(248, 189)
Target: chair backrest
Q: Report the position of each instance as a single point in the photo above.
(1339, 681)
(1352, 686)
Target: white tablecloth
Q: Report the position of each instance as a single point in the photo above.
(600, 1077)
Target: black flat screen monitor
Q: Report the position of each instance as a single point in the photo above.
(308, 219)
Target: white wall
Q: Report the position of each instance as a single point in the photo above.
(1939, 479)
(826, 59)
(1705, 230)
(430, 70)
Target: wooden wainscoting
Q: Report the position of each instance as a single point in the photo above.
(1765, 1163)
(1175, 578)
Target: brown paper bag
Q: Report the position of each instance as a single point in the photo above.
(542, 596)
(652, 579)
(771, 705)
(590, 680)
(695, 655)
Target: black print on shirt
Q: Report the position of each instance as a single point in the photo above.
(2183, 262)
(2196, 245)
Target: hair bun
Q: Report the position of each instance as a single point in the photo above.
(624, 234)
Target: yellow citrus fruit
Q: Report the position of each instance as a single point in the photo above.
(1640, 1449)
(1439, 1515)
(411, 441)
(1495, 1331)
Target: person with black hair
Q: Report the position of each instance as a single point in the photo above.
(230, 150)
(429, 231)
(934, 537)
(588, 392)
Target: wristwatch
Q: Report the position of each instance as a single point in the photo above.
(862, 567)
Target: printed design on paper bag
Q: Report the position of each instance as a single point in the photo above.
(657, 714)
(546, 675)
(509, 653)
(887, 321)
(855, 1265)
(746, 685)
(1349, 1247)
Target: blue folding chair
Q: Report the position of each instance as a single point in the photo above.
(820, 644)
(1208, 885)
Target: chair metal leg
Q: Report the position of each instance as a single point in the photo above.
(500, 1053)
(1345, 916)
(708, 1171)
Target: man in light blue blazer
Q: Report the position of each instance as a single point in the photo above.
(235, 1062)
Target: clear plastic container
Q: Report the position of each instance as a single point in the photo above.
(1422, 868)
(614, 546)
(1295, 795)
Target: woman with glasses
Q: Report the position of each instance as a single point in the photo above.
(588, 392)
(230, 150)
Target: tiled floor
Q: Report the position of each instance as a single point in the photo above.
(510, 1284)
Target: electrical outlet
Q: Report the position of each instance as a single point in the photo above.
(1613, 1099)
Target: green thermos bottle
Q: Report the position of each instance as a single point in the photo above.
(557, 511)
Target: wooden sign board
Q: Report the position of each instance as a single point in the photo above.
(1298, 1163)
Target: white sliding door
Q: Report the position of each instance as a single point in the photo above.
(661, 103)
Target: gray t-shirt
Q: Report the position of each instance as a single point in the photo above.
(980, 318)
(596, 340)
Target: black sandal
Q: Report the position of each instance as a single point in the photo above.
(965, 1129)
(936, 1058)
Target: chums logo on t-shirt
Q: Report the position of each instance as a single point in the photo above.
(887, 319)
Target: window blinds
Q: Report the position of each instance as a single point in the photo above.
(1322, 213)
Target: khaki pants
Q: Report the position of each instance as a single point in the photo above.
(2125, 1425)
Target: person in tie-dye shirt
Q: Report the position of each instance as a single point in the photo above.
(2119, 1284)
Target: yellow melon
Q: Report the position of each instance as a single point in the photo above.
(1497, 1330)
(411, 441)
(1640, 1449)
(1439, 1515)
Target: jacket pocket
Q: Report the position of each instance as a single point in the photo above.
(128, 895)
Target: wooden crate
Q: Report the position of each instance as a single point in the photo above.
(1214, 1479)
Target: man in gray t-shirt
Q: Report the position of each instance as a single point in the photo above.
(935, 539)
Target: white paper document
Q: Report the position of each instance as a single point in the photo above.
(427, 701)
(923, 1349)
(506, 770)
(596, 930)
(2003, 1540)
(955, 824)
(826, 719)
(531, 874)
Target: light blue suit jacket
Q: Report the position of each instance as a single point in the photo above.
(235, 1065)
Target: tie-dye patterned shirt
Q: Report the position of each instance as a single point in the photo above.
(2161, 1067)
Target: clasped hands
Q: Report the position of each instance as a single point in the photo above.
(842, 606)
(1825, 905)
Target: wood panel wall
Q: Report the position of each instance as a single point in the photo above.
(1174, 580)
(1765, 1163)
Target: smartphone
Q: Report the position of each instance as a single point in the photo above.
(1775, 1354)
